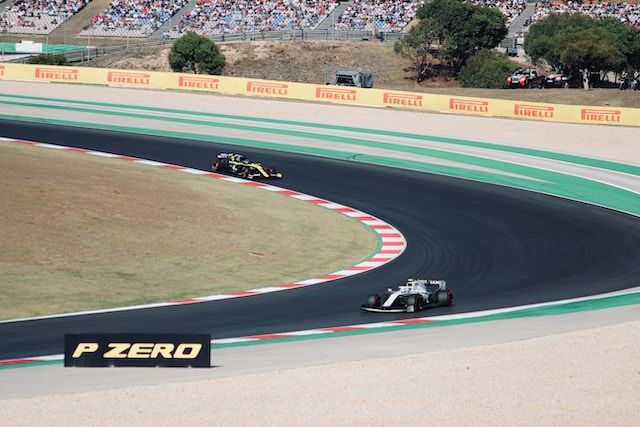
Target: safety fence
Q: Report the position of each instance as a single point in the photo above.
(324, 93)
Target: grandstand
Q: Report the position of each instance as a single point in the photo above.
(133, 18)
(38, 16)
(628, 13)
(511, 9)
(212, 17)
(173, 18)
(378, 15)
(215, 17)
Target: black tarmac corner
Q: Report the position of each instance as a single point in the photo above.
(495, 246)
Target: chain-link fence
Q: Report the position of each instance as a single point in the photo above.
(326, 34)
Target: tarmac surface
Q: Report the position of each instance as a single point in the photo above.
(496, 246)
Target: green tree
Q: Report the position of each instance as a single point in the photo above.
(48, 59)
(196, 54)
(420, 44)
(570, 43)
(633, 55)
(486, 69)
(466, 28)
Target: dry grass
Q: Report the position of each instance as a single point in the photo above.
(303, 62)
(101, 233)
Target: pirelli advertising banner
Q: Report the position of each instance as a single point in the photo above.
(150, 350)
(324, 93)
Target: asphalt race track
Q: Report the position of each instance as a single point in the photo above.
(496, 246)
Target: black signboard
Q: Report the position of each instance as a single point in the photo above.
(168, 350)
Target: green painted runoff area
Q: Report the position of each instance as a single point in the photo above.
(46, 48)
(568, 308)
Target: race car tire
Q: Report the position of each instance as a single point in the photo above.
(413, 303)
(215, 166)
(373, 301)
(444, 298)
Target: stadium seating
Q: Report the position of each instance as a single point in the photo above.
(133, 18)
(629, 13)
(38, 16)
(211, 17)
(395, 15)
(510, 9)
(140, 18)
(379, 15)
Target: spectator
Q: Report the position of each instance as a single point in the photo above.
(510, 9)
(378, 15)
(210, 17)
(133, 18)
(38, 16)
(395, 15)
(628, 13)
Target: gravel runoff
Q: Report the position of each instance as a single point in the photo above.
(589, 377)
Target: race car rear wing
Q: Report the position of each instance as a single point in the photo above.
(441, 284)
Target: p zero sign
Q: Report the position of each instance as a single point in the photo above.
(168, 350)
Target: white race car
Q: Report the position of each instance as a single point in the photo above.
(415, 295)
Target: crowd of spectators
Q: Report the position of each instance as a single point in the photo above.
(139, 18)
(629, 13)
(38, 16)
(133, 18)
(240, 16)
(378, 15)
(4, 23)
(509, 8)
(395, 15)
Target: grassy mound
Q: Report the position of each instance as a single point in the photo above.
(81, 232)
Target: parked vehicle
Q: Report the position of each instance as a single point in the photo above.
(560, 80)
(524, 79)
(565, 81)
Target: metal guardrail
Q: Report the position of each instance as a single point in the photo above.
(92, 52)
(326, 34)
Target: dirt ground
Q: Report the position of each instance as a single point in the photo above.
(584, 378)
(305, 62)
(81, 232)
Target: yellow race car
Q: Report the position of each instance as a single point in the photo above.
(238, 165)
